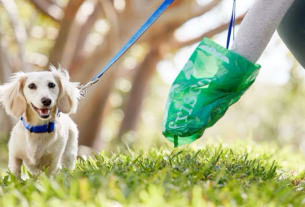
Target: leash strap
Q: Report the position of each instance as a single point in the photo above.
(133, 39)
(232, 24)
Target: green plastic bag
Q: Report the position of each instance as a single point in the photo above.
(213, 79)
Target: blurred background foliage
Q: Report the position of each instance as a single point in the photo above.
(126, 106)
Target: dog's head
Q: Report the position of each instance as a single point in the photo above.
(41, 91)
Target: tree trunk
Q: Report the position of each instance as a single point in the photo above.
(5, 121)
(90, 112)
(65, 27)
(133, 105)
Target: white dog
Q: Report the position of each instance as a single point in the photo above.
(45, 137)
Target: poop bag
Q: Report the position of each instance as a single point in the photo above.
(213, 79)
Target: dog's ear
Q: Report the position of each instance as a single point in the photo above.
(69, 93)
(11, 95)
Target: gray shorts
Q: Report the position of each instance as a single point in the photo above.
(292, 30)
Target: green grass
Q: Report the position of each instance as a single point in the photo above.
(239, 175)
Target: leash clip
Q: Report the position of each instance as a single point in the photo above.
(83, 88)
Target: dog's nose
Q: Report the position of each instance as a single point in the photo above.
(46, 101)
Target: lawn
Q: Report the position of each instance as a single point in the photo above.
(241, 174)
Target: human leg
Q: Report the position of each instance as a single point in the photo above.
(258, 27)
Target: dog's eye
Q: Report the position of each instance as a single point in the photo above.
(32, 86)
(51, 85)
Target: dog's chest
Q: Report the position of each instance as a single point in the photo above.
(40, 148)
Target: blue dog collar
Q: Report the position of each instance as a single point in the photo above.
(39, 128)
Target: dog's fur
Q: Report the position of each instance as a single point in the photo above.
(39, 151)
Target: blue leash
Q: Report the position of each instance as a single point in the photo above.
(232, 24)
(135, 37)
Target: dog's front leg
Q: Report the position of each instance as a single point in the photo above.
(54, 168)
(14, 164)
(70, 153)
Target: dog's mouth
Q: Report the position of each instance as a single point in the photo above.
(43, 113)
